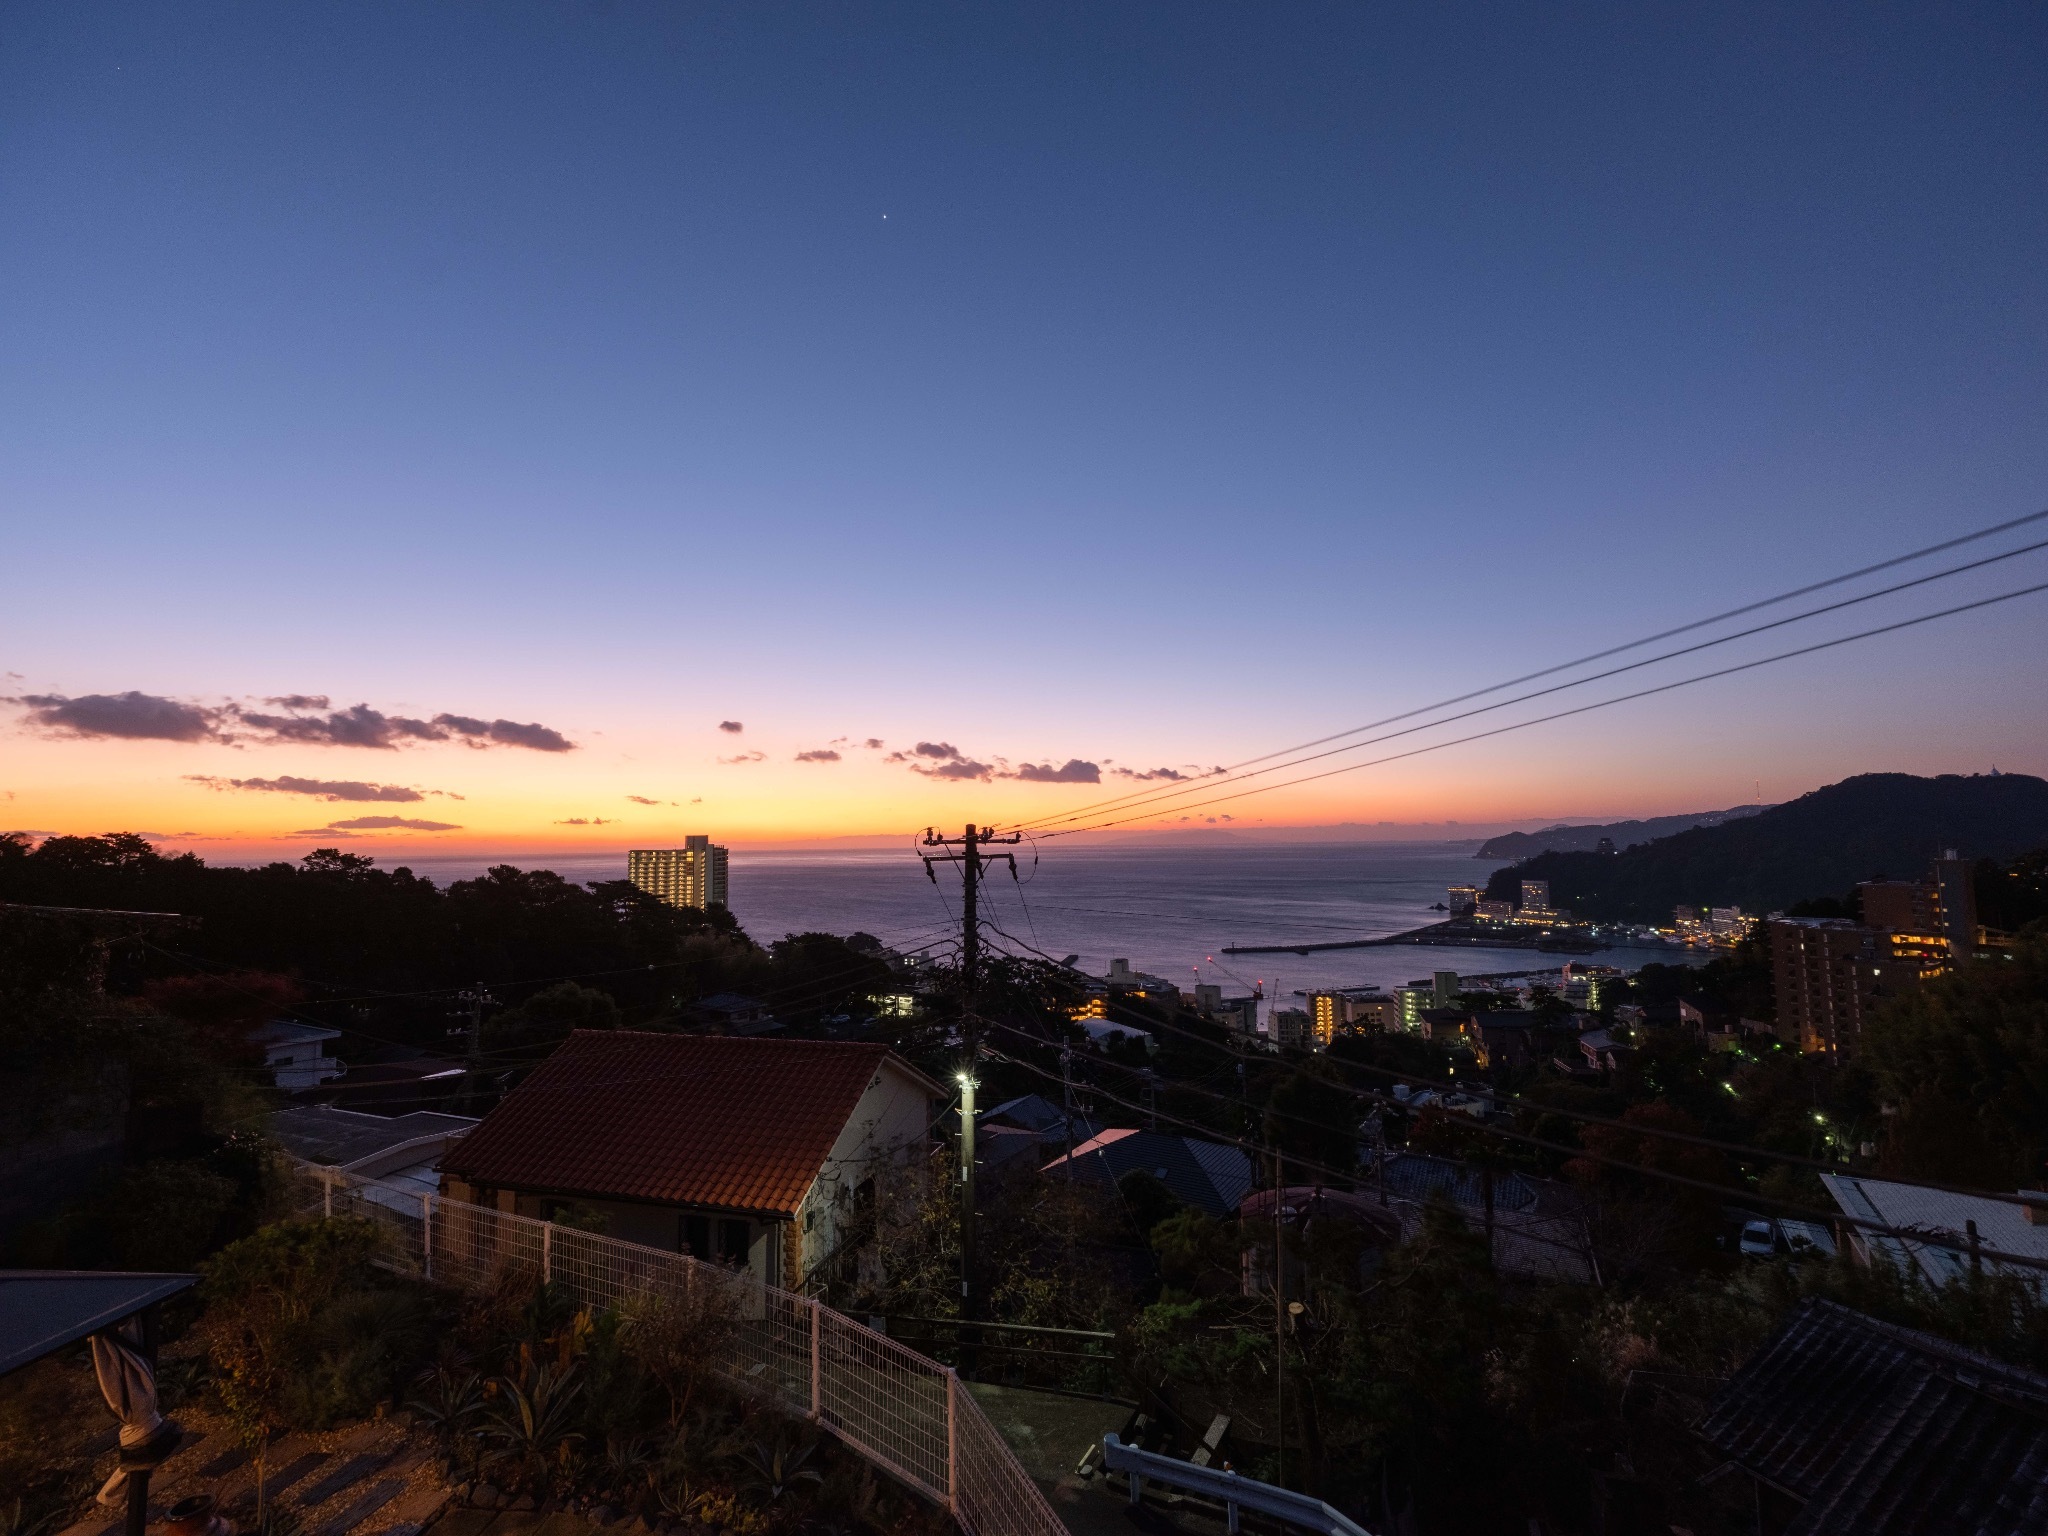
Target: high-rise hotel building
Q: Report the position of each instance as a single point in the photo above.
(690, 876)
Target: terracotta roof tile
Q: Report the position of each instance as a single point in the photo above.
(733, 1124)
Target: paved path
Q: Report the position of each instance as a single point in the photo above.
(371, 1479)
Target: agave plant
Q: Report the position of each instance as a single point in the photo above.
(531, 1422)
(448, 1405)
(772, 1469)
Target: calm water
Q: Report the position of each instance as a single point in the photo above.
(1168, 910)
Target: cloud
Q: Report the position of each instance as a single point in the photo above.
(324, 789)
(129, 716)
(588, 821)
(301, 701)
(731, 727)
(379, 824)
(361, 726)
(1074, 771)
(936, 751)
(508, 733)
(822, 755)
(958, 768)
(1155, 773)
(873, 743)
(643, 800)
(745, 757)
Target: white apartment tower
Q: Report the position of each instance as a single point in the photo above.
(690, 876)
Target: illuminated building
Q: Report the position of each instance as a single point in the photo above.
(1495, 911)
(690, 876)
(1462, 900)
(1829, 976)
(1535, 897)
(1341, 1010)
(1414, 1000)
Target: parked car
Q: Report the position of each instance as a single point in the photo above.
(1759, 1240)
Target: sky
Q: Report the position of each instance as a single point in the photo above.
(1055, 396)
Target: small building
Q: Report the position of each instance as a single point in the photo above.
(1293, 1028)
(740, 1151)
(402, 1153)
(1505, 1039)
(1449, 1026)
(1208, 1175)
(733, 1013)
(1603, 1052)
(1847, 1426)
(2000, 1228)
(295, 1054)
(1017, 1133)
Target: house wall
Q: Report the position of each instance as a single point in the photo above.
(891, 1120)
(652, 1226)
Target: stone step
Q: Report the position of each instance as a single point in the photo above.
(350, 1472)
(366, 1504)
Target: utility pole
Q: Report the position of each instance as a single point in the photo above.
(967, 1339)
(969, 851)
(1279, 1327)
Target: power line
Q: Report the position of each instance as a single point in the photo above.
(1165, 795)
(1565, 714)
(1734, 1149)
(1907, 1234)
(1565, 666)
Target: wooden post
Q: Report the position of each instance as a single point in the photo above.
(427, 1232)
(327, 1193)
(547, 1252)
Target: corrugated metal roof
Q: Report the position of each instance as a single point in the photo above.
(1884, 1431)
(714, 1121)
(2000, 1227)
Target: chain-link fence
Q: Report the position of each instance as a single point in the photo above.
(903, 1412)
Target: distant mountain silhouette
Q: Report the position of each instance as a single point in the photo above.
(1874, 825)
(1526, 845)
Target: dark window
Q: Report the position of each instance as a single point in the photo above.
(732, 1242)
(696, 1236)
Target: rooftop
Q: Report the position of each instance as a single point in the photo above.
(717, 1121)
(1884, 1431)
(2000, 1227)
(1208, 1175)
(321, 1133)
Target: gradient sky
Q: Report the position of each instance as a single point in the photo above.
(1144, 385)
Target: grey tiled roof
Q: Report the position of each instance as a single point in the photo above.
(1884, 1431)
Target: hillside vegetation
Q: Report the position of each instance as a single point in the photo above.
(1876, 825)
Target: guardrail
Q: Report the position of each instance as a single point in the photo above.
(1234, 1492)
(889, 1404)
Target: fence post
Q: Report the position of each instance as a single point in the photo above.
(953, 1441)
(547, 1251)
(817, 1328)
(427, 1232)
(327, 1193)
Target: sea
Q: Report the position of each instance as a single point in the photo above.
(1170, 910)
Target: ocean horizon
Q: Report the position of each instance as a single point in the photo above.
(1170, 910)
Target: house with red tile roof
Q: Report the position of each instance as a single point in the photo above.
(740, 1151)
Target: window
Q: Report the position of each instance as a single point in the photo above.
(732, 1242)
(696, 1236)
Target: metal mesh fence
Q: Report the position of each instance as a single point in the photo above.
(905, 1413)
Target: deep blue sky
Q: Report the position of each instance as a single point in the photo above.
(1258, 367)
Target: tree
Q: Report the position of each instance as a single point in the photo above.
(1964, 1061)
(544, 1020)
